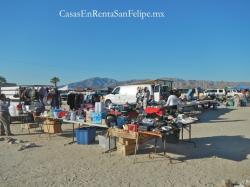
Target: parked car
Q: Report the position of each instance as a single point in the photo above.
(215, 92)
(184, 93)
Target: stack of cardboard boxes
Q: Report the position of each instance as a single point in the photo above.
(126, 146)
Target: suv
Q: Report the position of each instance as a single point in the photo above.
(234, 92)
(215, 92)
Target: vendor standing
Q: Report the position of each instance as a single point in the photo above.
(139, 96)
(146, 95)
(5, 116)
(172, 102)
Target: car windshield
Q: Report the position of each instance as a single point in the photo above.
(116, 91)
(210, 91)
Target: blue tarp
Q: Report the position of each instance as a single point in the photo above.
(242, 87)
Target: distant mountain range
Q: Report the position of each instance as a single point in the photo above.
(97, 82)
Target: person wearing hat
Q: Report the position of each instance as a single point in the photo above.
(5, 116)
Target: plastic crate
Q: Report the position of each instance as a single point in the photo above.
(85, 135)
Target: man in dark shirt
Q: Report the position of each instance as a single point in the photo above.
(5, 116)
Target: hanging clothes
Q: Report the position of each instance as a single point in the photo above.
(55, 103)
(75, 100)
(41, 94)
(71, 100)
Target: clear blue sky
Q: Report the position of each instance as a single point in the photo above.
(198, 39)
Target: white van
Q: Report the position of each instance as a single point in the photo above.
(127, 94)
(11, 92)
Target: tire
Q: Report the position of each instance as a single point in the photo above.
(237, 96)
(108, 102)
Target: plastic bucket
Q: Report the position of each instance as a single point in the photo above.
(85, 135)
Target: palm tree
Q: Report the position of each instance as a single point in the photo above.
(2, 80)
(55, 80)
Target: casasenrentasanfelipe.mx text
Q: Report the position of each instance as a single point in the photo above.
(111, 14)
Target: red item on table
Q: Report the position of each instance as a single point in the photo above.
(157, 111)
(114, 112)
(133, 127)
(132, 114)
(62, 114)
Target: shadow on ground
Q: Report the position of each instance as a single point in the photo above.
(214, 116)
(235, 148)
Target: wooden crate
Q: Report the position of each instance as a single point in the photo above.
(53, 122)
(121, 133)
(125, 149)
(125, 141)
(52, 129)
(29, 125)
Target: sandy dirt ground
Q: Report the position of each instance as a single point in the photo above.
(223, 152)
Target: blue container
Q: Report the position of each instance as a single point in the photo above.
(104, 115)
(56, 112)
(96, 118)
(85, 135)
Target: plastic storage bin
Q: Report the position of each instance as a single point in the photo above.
(85, 135)
(104, 142)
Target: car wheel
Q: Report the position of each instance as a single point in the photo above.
(237, 96)
(108, 103)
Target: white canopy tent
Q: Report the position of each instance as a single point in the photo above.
(64, 88)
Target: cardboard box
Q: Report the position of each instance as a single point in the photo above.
(52, 129)
(125, 149)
